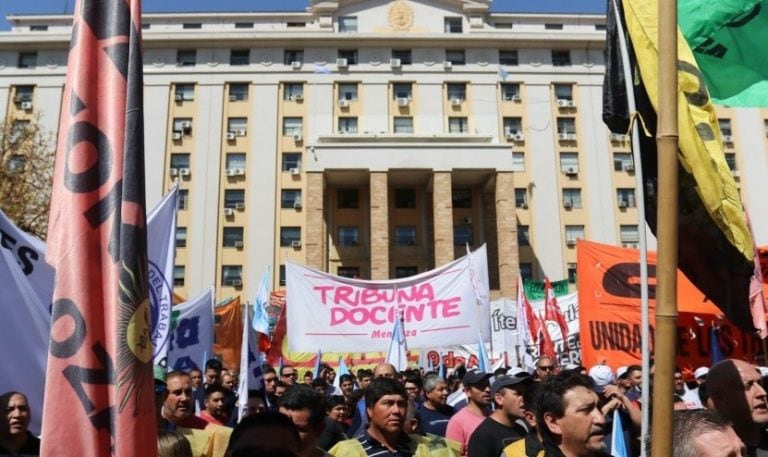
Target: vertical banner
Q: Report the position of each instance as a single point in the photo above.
(99, 387)
(191, 333)
(228, 330)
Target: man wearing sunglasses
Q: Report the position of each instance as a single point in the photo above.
(288, 375)
(545, 367)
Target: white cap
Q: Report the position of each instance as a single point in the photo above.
(621, 371)
(700, 372)
(763, 371)
(602, 375)
(570, 366)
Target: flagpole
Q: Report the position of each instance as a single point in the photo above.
(667, 217)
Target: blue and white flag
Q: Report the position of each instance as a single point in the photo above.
(343, 369)
(191, 332)
(322, 69)
(161, 248)
(397, 353)
(483, 362)
(618, 443)
(318, 362)
(260, 318)
(250, 363)
(24, 338)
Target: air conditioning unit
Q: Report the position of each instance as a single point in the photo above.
(566, 136)
(623, 204)
(343, 103)
(297, 137)
(176, 135)
(735, 173)
(178, 98)
(233, 98)
(519, 136)
(619, 137)
(240, 206)
(565, 103)
(515, 98)
(296, 65)
(342, 63)
(295, 171)
(295, 244)
(241, 132)
(402, 101)
(186, 125)
(239, 172)
(231, 136)
(184, 171)
(570, 242)
(173, 171)
(455, 102)
(447, 65)
(726, 138)
(567, 204)
(395, 63)
(238, 244)
(230, 172)
(630, 168)
(298, 98)
(26, 106)
(297, 205)
(571, 171)
(237, 283)
(228, 212)
(467, 220)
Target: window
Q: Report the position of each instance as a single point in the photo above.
(566, 125)
(402, 90)
(402, 124)
(462, 235)
(290, 236)
(629, 236)
(348, 272)
(622, 161)
(234, 198)
(295, 24)
(561, 58)
(186, 58)
(184, 92)
(404, 272)
(456, 91)
(626, 198)
(38, 28)
(572, 198)
(349, 236)
(518, 161)
(243, 25)
(349, 54)
(730, 159)
(282, 275)
(293, 91)
(289, 198)
(183, 202)
(513, 125)
(563, 92)
(725, 127)
(239, 56)
(572, 273)
(192, 26)
(521, 197)
(27, 60)
(453, 25)
(404, 55)
(503, 25)
(291, 160)
(458, 125)
(232, 237)
(348, 91)
(292, 126)
(526, 271)
(238, 125)
(569, 162)
(145, 26)
(508, 57)
(347, 125)
(293, 55)
(405, 235)
(235, 160)
(180, 160)
(182, 125)
(523, 236)
(600, 27)
(232, 275)
(23, 94)
(510, 91)
(573, 233)
(181, 237)
(455, 56)
(238, 92)
(405, 198)
(348, 198)
(178, 276)
(347, 24)
(461, 198)
(553, 26)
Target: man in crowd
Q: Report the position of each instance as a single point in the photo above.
(305, 408)
(569, 417)
(364, 377)
(280, 388)
(216, 410)
(690, 397)
(288, 374)
(15, 438)
(255, 403)
(308, 377)
(177, 408)
(505, 425)
(227, 381)
(213, 369)
(265, 434)
(346, 385)
(704, 433)
(735, 390)
(269, 377)
(359, 419)
(197, 378)
(384, 370)
(478, 391)
(545, 367)
(434, 413)
(531, 444)
(413, 387)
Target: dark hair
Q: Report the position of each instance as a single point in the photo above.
(241, 446)
(280, 383)
(529, 397)
(364, 373)
(334, 401)
(414, 378)
(268, 369)
(319, 382)
(308, 373)
(284, 367)
(703, 393)
(383, 386)
(177, 374)
(299, 397)
(631, 369)
(346, 377)
(550, 398)
(687, 425)
(196, 369)
(214, 364)
(212, 389)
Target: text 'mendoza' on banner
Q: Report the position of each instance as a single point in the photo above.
(438, 307)
(99, 387)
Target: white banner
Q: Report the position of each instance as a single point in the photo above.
(29, 253)
(191, 333)
(24, 338)
(438, 307)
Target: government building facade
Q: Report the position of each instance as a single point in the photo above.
(375, 139)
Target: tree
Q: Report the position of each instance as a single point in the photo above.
(26, 173)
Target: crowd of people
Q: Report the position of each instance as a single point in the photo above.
(554, 411)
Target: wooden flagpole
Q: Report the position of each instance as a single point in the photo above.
(666, 268)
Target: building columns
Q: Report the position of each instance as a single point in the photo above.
(442, 203)
(379, 194)
(506, 232)
(315, 236)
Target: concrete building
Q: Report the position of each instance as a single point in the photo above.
(375, 138)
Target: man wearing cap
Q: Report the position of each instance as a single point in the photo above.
(463, 423)
(690, 397)
(505, 425)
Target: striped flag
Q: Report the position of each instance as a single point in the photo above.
(483, 362)
(397, 353)
(99, 392)
(618, 443)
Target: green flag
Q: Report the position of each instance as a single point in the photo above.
(728, 39)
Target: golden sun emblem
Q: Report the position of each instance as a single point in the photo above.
(400, 16)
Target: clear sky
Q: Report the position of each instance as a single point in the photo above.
(61, 6)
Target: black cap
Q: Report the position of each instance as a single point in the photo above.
(474, 377)
(509, 381)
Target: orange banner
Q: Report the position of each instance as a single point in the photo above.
(609, 304)
(228, 331)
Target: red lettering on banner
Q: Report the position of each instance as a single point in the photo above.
(323, 293)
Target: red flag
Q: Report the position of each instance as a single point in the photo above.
(531, 321)
(546, 345)
(553, 312)
(99, 394)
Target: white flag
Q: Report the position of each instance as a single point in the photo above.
(192, 332)
(29, 253)
(397, 353)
